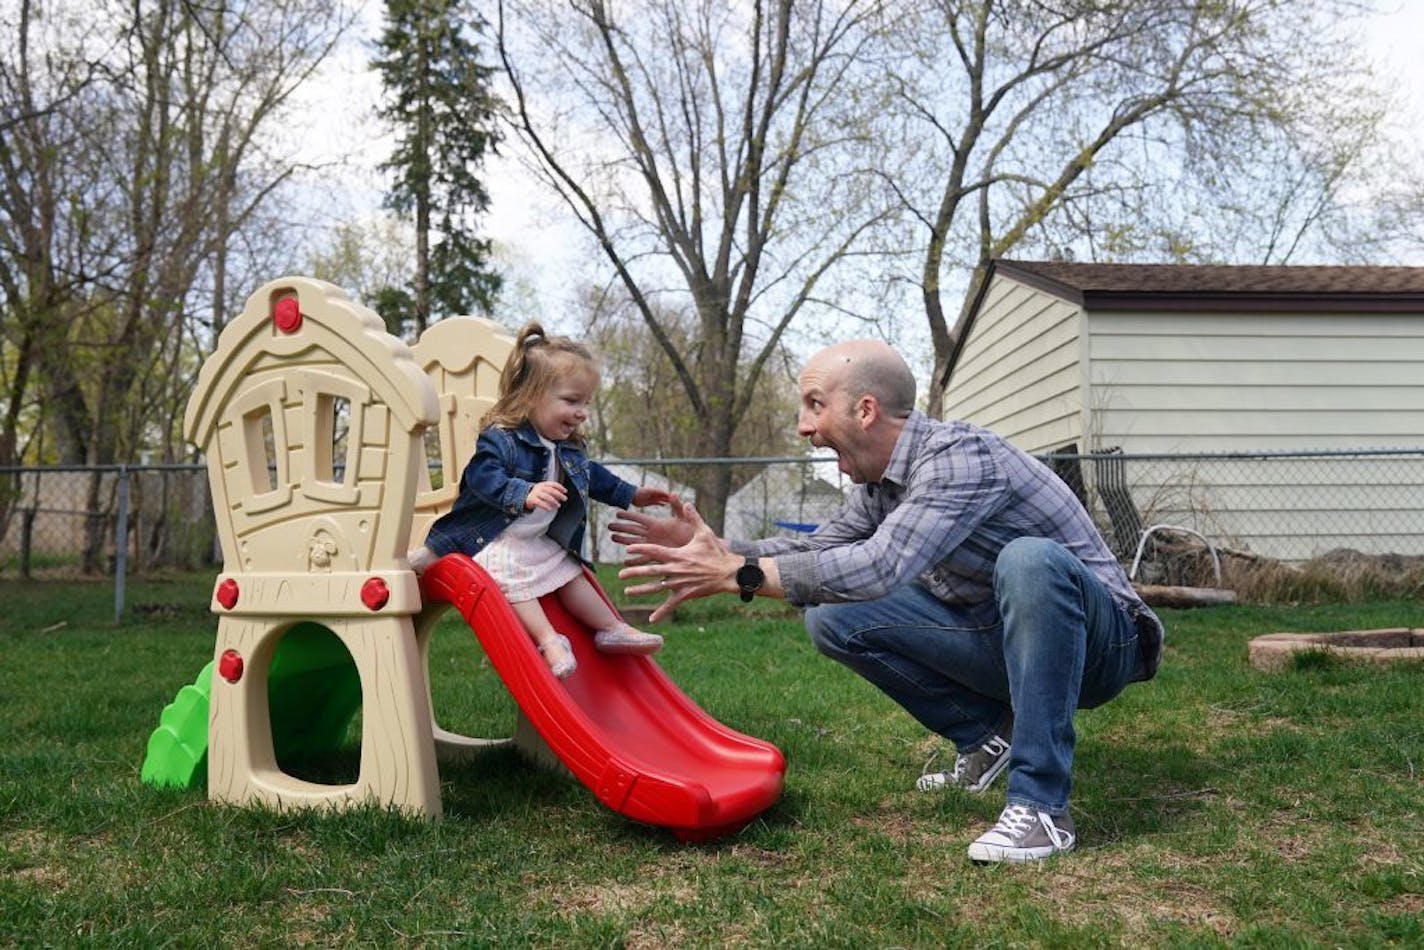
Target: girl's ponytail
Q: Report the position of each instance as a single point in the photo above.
(516, 368)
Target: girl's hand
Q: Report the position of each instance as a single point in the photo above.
(647, 496)
(546, 496)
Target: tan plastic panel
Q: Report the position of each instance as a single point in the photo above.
(463, 357)
(312, 418)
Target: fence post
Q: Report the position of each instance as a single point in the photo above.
(121, 544)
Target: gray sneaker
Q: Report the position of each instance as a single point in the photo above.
(1024, 834)
(973, 771)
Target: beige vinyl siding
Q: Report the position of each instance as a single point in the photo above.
(1193, 382)
(1019, 373)
(1211, 382)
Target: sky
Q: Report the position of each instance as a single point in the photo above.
(1396, 40)
(542, 253)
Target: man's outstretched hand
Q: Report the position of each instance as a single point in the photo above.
(696, 564)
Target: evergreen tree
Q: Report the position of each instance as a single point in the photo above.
(439, 100)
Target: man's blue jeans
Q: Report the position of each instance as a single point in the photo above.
(1057, 641)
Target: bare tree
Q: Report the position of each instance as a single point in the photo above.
(713, 153)
(642, 411)
(125, 193)
(44, 86)
(1102, 124)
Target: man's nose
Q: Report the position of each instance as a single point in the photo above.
(804, 428)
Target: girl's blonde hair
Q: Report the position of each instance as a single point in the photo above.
(538, 361)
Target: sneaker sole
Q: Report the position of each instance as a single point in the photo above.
(990, 854)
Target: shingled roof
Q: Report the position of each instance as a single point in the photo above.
(1217, 287)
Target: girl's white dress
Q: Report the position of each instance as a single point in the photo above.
(522, 559)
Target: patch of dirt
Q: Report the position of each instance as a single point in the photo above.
(1094, 886)
(761, 856)
(35, 849)
(613, 897)
(1404, 904)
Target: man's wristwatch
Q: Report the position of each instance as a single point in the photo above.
(750, 577)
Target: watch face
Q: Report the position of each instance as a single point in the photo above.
(750, 577)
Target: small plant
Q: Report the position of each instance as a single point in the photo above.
(1314, 661)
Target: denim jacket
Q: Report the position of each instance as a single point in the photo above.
(495, 483)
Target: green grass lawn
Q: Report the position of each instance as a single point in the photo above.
(1216, 806)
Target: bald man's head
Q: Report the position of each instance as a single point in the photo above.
(861, 367)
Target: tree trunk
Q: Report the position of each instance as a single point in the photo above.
(422, 264)
(10, 430)
(96, 525)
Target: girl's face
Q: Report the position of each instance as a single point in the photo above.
(564, 407)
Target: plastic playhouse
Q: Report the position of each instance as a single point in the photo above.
(315, 422)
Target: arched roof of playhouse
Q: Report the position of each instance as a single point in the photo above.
(457, 343)
(329, 320)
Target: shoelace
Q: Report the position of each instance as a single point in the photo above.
(961, 765)
(1016, 820)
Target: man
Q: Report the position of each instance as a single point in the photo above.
(962, 578)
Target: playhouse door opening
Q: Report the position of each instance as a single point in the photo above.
(314, 700)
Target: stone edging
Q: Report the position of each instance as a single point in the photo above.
(1272, 651)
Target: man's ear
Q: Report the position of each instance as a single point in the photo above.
(867, 411)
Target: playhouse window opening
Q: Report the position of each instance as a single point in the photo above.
(434, 461)
(340, 436)
(268, 470)
(333, 438)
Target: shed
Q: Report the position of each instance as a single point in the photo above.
(782, 497)
(1180, 359)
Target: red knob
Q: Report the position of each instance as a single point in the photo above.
(287, 314)
(375, 593)
(230, 666)
(227, 594)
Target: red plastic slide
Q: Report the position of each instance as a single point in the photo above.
(619, 723)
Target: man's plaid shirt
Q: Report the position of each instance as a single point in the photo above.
(952, 496)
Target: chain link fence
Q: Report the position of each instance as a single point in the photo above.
(64, 519)
(1285, 506)
(1347, 517)
(1288, 507)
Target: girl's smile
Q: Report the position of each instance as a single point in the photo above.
(558, 413)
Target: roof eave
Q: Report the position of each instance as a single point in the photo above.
(1238, 302)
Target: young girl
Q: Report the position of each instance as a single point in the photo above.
(523, 501)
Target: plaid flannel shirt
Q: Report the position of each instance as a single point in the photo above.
(951, 497)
